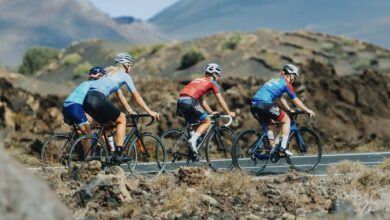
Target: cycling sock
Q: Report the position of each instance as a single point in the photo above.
(119, 150)
(284, 141)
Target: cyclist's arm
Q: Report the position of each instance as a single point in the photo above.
(123, 101)
(297, 102)
(222, 103)
(205, 105)
(284, 103)
(140, 101)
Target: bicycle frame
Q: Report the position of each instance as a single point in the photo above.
(294, 129)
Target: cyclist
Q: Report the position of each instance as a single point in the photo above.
(102, 110)
(188, 103)
(72, 109)
(264, 110)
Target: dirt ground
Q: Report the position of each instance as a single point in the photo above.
(350, 190)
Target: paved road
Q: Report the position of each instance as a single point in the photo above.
(368, 159)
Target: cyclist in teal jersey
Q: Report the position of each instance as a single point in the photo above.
(73, 110)
(264, 110)
(96, 102)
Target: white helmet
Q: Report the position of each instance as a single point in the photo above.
(213, 68)
(291, 69)
(124, 58)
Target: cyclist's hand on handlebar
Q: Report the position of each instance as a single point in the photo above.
(232, 114)
(311, 113)
(131, 112)
(155, 115)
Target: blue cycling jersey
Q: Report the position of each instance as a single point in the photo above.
(110, 83)
(273, 89)
(77, 96)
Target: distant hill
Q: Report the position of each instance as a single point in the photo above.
(57, 23)
(259, 54)
(360, 19)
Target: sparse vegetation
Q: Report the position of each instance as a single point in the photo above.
(138, 51)
(71, 59)
(191, 58)
(36, 58)
(232, 42)
(81, 69)
(155, 48)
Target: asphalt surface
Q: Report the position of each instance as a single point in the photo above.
(368, 159)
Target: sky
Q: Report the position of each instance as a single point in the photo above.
(143, 9)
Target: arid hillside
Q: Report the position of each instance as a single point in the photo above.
(259, 54)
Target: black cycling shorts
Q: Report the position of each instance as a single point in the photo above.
(263, 112)
(102, 110)
(190, 109)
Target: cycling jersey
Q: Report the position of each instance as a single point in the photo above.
(273, 89)
(110, 83)
(200, 86)
(78, 94)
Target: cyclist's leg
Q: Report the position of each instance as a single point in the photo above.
(279, 115)
(75, 113)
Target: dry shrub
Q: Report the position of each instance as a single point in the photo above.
(230, 183)
(183, 200)
(385, 165)
(163, 182)
(368, 177)
(346, 167)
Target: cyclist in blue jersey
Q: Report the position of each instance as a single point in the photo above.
(264, 110)
(72, 109)
(96, 102)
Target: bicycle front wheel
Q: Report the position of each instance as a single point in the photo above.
(307, 149)
(84, 150)
(176, 146)
(54, 152)
(219, 148)
(151, 155)
(251, 151)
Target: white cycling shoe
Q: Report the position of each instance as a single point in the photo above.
(287, 152)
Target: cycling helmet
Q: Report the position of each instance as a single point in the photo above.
(291, 69)
(124, 58)
(213, 68)
(95, 70)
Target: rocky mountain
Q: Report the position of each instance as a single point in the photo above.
(360, 19)
(56, 23)
(259, 54)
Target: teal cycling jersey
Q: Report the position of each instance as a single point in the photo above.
(110, 83)
(77, 96)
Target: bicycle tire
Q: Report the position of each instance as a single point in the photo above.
(54, 152)
(301, 160)
(219, 148)
(97, 151)
(243, 159)
(176, 145)
(155, 153)
(132, 154)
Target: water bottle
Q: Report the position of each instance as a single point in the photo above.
(111, 143)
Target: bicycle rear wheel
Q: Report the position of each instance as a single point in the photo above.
(96, 151)
(54, 152)
(307, 149)
(176, 145)
(219, 148)
(151, 155)
(251, 151)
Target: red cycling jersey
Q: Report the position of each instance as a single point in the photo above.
(200, 86)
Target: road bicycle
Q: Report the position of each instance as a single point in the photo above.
(216, 141)
(143, 152)
(55, 149)
(252, 149)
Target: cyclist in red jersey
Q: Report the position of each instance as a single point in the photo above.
(194, 108)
